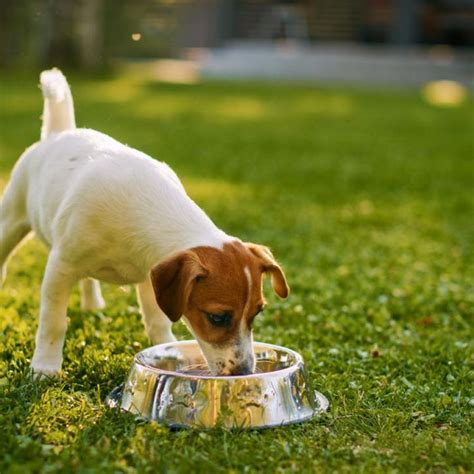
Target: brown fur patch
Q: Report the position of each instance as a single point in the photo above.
(209, 280)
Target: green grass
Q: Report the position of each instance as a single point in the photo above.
(366, 197)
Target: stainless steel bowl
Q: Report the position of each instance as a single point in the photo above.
(169, 383)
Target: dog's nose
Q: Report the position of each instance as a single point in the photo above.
(242, 369)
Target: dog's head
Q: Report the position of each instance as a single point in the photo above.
(219, 293)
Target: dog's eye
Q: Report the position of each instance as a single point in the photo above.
(219, 320)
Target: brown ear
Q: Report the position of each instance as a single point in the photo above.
(270, 265)
(173, 280)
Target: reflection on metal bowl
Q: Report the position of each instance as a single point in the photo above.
(169, 383)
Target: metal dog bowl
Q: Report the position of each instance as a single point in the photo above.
(169, 383)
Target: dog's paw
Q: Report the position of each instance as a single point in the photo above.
(161, 338)
(43, 372)
(94, 303)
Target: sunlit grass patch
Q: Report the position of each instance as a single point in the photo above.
(114, 91)
(331, 105)
(3, 182)
(239, 108)
(163, 106)
(169, 106)
(215, 189)
(444, 93)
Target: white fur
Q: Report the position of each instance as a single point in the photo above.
(246, 335)
(248, 277)
(106, 211)
(239, 353)
(58, 109)
(226, 358)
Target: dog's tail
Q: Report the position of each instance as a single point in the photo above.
(58, 110)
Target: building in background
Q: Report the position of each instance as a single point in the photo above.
(403, 22)
(89, 33)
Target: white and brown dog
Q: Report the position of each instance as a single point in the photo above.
(109, 212)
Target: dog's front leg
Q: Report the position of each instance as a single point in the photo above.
(157, 324)
(55, 290)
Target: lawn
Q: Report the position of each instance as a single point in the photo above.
(366, 197)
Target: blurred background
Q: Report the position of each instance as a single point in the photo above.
(375, 41)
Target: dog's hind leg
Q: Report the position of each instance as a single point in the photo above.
(58, 281)
(14, 224)
(157, 324)
(91, 296)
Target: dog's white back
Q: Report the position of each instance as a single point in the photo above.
(114, 211)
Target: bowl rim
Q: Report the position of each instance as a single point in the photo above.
(297, 365)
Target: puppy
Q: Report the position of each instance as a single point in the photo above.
(109, 212)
